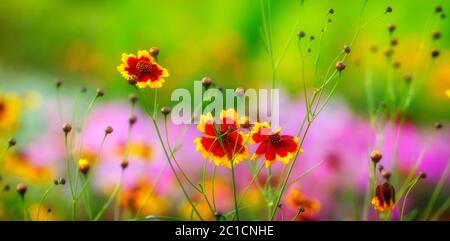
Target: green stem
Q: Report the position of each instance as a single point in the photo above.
(110, 199)
(290, 171)
(42, 200)
(436, 192)
(406, 197)
(155, 124)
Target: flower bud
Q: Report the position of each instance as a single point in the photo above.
(206, 82)
(58, 83)
(422, 175)
(376, 156)
(391, 27)
(154, 52)
(132, 79)
(108, 130)
(66, 128)
(124, 164)
(62, 181)
(165, 110)
(12, 142)
(133, 98)
(83, 166)
(437, 35)
(386, 174)
(347, 49)
(394, 42)
(389, 9)
(434, 53)
(100, 92)
(21, 189)
(239, 91)
(340, 66)
(132, 120)
(301, 34)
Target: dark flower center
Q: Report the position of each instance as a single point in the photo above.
(275, 138)
(144, 66)
(2, 108)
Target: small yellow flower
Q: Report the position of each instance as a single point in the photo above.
(83, 166)
(142, 70)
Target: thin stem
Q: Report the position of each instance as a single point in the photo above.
(406, 197)
(26, 213)
(174, 159)
(42, 200)
(111, 198)
(290, 171)
(68, 165)
(155, 124)
(212, 187)
(234, 191)
(150, 193)
(436, 192)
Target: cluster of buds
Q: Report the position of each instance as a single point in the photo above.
(60, 181)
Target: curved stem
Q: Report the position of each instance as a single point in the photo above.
(110, 199)
(42, 200)
(406, 197)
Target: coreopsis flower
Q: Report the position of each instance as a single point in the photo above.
(296, 199)
(223, 142)
(384, 197)
(142, 70)
(9, 112)
(135, 198)
(273, 145)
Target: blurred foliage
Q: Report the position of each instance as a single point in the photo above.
(81, 42)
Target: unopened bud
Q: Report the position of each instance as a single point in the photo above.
(100, 92)
(340, 66)
(132, 120)
(21, 189)
(376, 156)
(165, 110)
(83, 166)
(12, 142)
(206, 82)
(109, 130)
(66, 128)
(347, 49)
(154, 52)
(133, 98)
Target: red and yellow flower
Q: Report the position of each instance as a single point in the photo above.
(223, 142)
(142, 70)
(273, 145)
(384, 197)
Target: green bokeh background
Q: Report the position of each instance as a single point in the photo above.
(81, 41)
